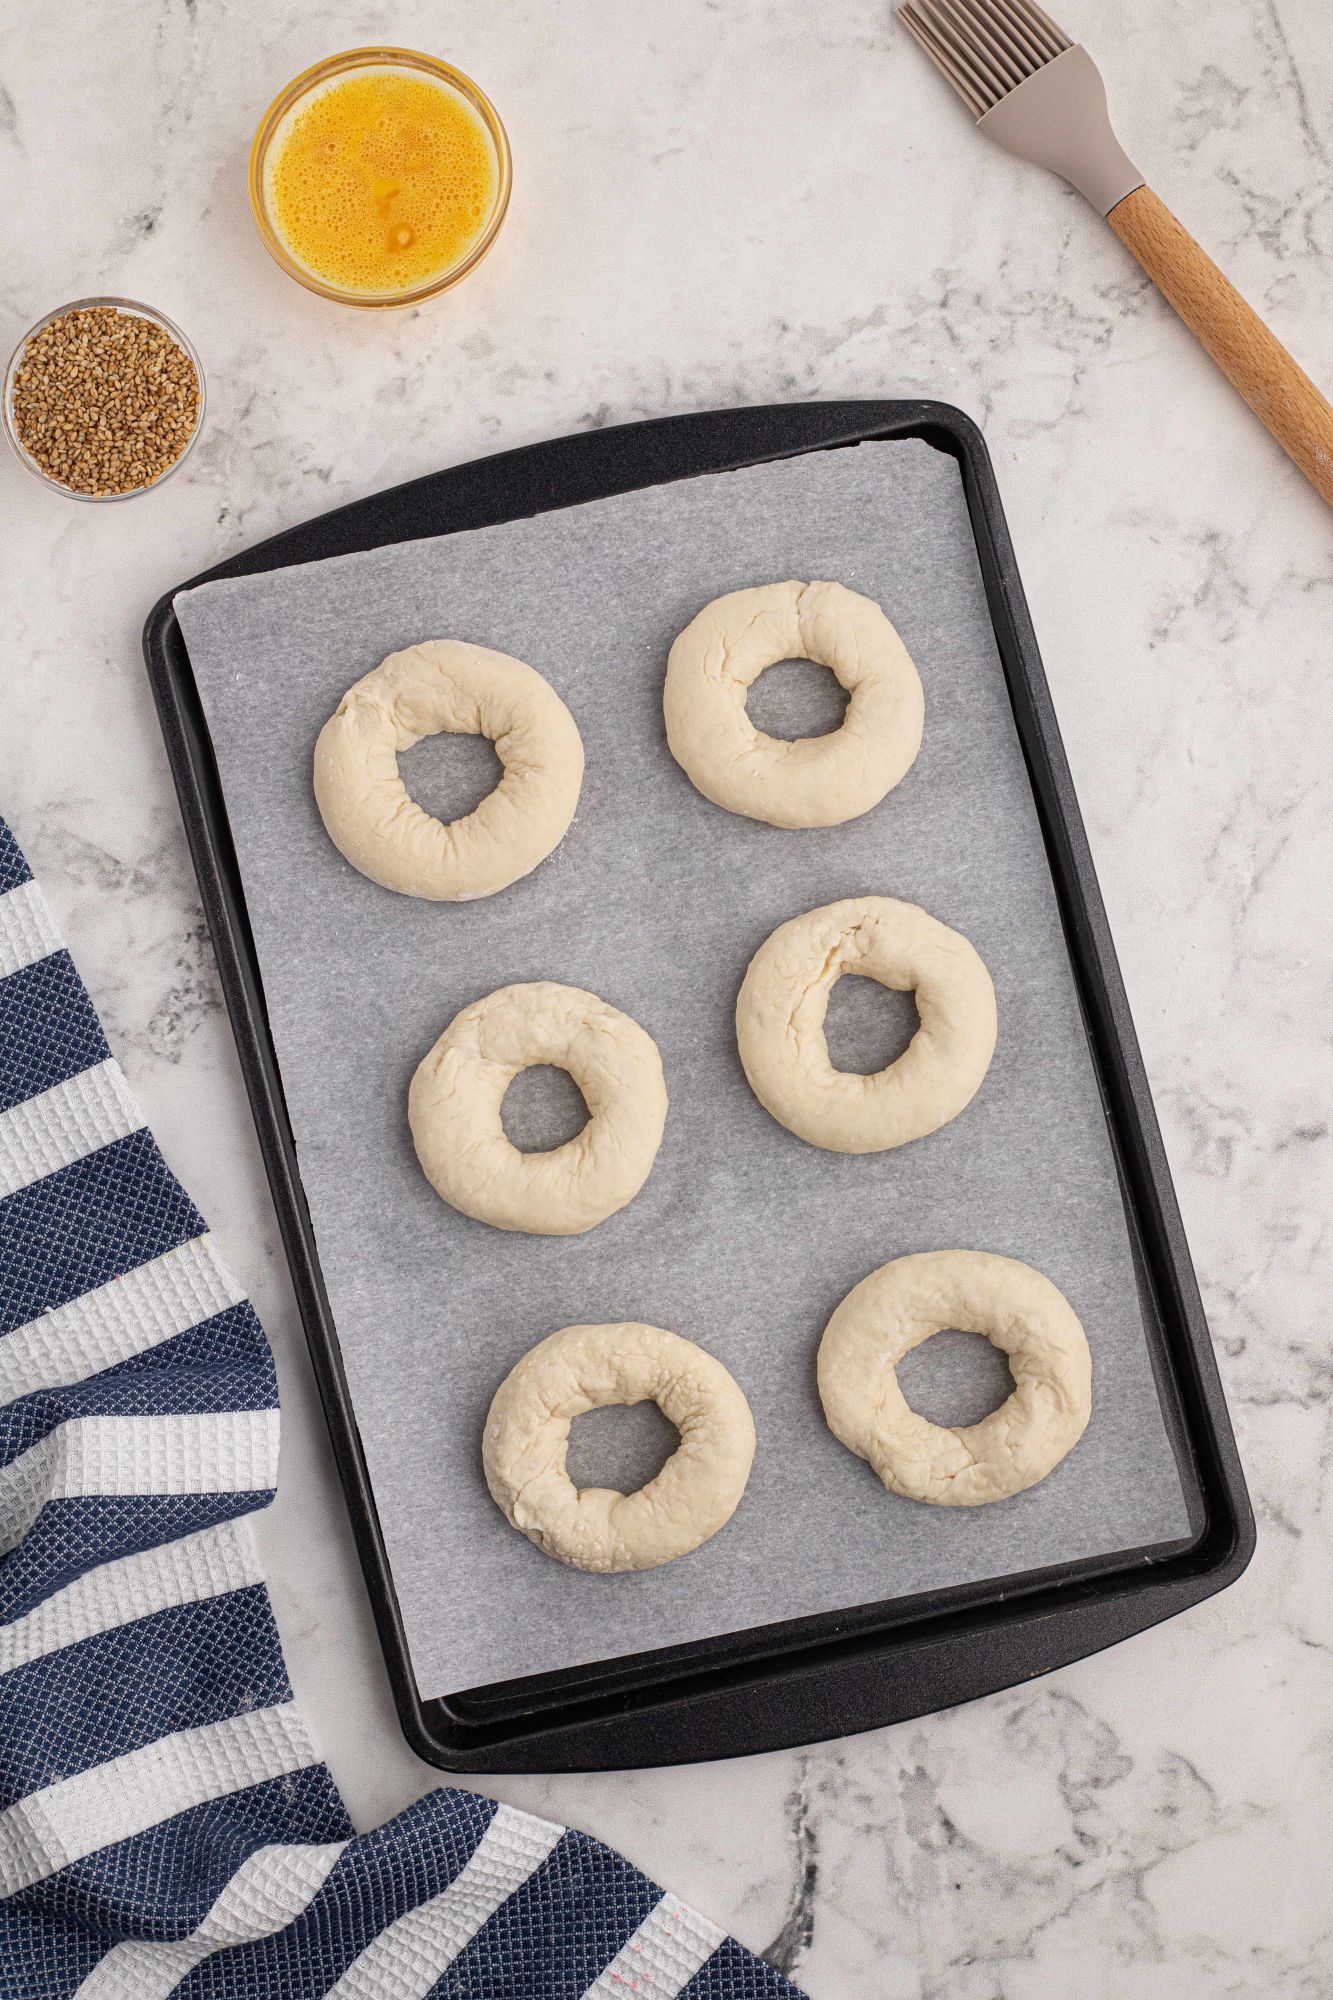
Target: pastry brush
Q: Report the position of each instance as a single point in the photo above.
(1041, 96)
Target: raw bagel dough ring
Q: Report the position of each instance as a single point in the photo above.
(780, 1024)
(471, 691)
(594, 1528)
(453, 1107)
(1020, 1312)
(817, 780)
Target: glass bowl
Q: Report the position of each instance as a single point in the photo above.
(378, 58)
(21, 451)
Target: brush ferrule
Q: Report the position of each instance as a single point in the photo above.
(1057, 118)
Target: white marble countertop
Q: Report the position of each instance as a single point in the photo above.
(731, 201)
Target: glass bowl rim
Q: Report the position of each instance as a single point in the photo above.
(139, 310)
(386, 56)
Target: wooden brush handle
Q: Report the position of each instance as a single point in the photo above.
(1281, 395)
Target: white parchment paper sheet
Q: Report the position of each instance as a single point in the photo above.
(744, 1239)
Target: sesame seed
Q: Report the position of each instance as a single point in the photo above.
(104, 401)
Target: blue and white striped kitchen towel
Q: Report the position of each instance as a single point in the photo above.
(165, 1825)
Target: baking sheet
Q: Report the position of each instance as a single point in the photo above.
(743, 1238)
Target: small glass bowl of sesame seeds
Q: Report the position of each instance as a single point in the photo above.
(103, 399)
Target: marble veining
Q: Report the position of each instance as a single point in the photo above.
(731, 203)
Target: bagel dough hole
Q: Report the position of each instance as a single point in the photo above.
(868, 1026)
(449, 774)
(621, 1446)
(955, 1379)
(795, 699)
(543, 1108)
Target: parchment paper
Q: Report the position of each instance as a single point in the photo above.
(744, 1239)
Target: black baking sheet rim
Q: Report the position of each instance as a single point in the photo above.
(833, 1674)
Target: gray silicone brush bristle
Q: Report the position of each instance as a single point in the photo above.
(1030, 89)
